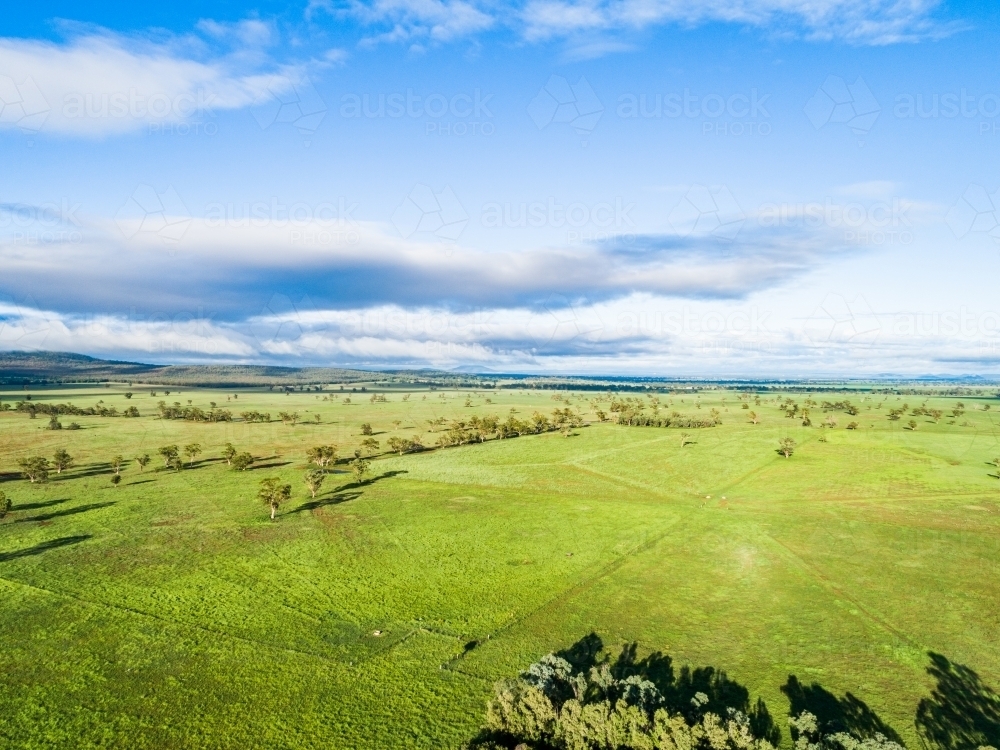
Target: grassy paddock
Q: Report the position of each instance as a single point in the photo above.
(169, 612)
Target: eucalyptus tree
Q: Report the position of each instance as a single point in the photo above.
(61, 460)
(273, 493)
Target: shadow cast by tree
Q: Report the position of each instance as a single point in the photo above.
(679, 690)
(66, 512)
(271, 465)
(43, 547)
(589, 694)
(849, 714)
(321, 502)
(40, 505)
(371, 481)
(962, 712)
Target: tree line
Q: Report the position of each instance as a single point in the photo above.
(33, 408)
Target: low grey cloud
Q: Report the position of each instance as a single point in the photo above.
(154, 259)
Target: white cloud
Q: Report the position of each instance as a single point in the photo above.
(101, 83)
(439, 20)
(857, 21)
(637, 334)
(177, 260)
(250, 32)
(860, 21)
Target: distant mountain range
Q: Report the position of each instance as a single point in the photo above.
(17, 368)
(64, 367)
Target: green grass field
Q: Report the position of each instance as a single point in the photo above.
(169, 612)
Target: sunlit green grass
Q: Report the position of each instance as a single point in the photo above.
(170, 613)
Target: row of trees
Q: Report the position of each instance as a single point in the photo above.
(631, 412)
(33, 409)
(554, 705)
(193, 413)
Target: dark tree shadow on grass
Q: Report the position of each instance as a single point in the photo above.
(271, 465)
(91, 470)
(678, 688)
(848, 714)
(37, 506)
(371, 481)
(66, 512)
(43, 547)
(962, 711)
(583, 654)
(321, 502)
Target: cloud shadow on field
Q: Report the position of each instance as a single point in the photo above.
(43, 547)
(848, 714)
(962, 711)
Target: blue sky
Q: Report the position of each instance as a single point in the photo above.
(754, 188)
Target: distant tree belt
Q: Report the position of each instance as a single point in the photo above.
(650, 421)
(32, 408)
(193, 413)
(632, 412)
(480, 429)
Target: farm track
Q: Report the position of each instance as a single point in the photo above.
(838, 592)
(572, 591)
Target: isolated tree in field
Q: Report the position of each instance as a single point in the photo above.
(936, 415)
(366, 429)
(398, 445)
(175, 463)
(116, 479)
(168, 452)
(322, 455)
(142, 461)
(54, 423)
(273, 493)
(752, 416)
(396, 423)
(229, 453)
(369, 445)
(912, 424)
(242, 461)
(116, 464)
(786, 447)
(685, 439)
(359, 467)
(34, 469)
(5, 504)
(191, 451)
(61, 460)
(314, 480)
(128, 394)
(852, 426)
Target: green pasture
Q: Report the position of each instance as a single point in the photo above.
(169, 612)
